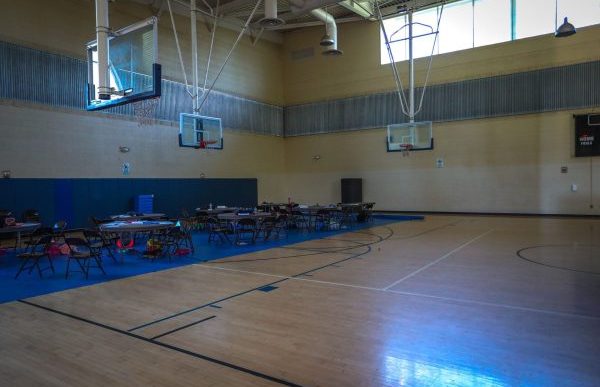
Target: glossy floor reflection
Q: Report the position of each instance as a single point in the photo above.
(449, 301)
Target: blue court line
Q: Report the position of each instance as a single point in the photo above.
(30, 285)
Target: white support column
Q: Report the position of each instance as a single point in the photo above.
(102, 31)
(196, 97)
(411, 69)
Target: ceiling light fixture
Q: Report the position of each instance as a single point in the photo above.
(566, 29)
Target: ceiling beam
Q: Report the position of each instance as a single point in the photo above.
(233, 6)
(315, 23)
(361, 8)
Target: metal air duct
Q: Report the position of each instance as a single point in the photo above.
(270, 20)
(329, 40)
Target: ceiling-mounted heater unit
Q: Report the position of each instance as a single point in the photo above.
(270, 20)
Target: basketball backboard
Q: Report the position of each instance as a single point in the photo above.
(134, 73)
(418, 135)
(200, 132)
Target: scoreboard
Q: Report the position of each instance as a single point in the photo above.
(587, 135)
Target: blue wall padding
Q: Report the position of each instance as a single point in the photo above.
(75, 200)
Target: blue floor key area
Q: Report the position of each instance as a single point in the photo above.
(31, 285)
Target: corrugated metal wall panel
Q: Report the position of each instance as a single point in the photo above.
(36, 76)
(567, 87)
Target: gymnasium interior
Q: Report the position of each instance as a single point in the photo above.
(300, 192)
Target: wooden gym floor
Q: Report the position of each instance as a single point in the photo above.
(450, 300)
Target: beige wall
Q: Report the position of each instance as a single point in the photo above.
(65, 26)
(359, 71)
(40, 142)
(506, 164)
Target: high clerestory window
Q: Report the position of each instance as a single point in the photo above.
(474, 23)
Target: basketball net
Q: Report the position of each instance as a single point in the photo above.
(144, 111)
(405, 149)
(205, 146)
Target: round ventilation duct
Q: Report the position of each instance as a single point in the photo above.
(270, 20)
(332, 52)
(326, 40)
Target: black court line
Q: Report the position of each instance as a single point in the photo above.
(333, 263)
(215, 306)
(336, 249)
(340, 249)
(181, 328)
(343, 240)
(522, 256)
(427, 231)
(263, 285)
(203, 306)
(168, 346)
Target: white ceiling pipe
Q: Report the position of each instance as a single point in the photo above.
(330, 30)
(270, 20)
(102, 31)
(271, 9)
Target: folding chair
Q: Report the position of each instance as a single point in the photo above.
(217, 230)
(35, 252)
(201, 219)
(299, 220)
(84, 254)
(346, 217)
(322, 219)
(245, 227)
(266, 228)
(98, 240)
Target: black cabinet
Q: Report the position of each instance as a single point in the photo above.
(352, 191)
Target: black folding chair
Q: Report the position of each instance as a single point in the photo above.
(34, 236)
(368, 208)
(200, 219)
(217, 231)
(35, 252)
(299, 220)
(346, 217)
(87, 256)
(266, 228)
(322, 219)
(245, 231)
(100, 241)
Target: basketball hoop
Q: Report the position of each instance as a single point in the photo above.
(204, 146)
(405, 149)
(144, 111)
